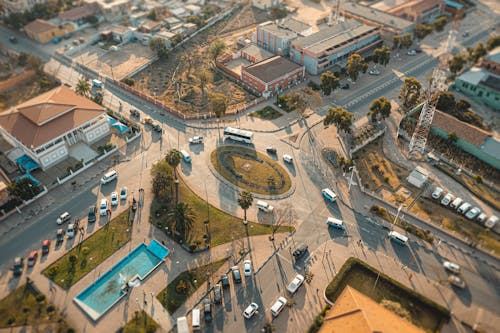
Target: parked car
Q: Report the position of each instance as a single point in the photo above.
(13, 39)
(412, 52)
(103, 207)
(32, 258)
(196, 139)
(64, 217)
(236, 274)
(452, 267)
(91, 217)
(447, 199)
(123, 193)
(72, 230)
(374, 71)
(157, 128)
(418, 50)
(464, 208)
(437, 193)
(18, 266)
(465, 34)
(218, 293)
(271, 149)
(456, 281)
(225, 280)
(59, 236)
(287, 158)
(300, 250)
(45, 246)
(456, 203)
(481, 218)
(114, 199)
(295, 284)
(247, 267)
(491, 221)
(250, 310)
(207, 309)
(473, 213)
(278, 306)
(135, 113)
(344, 86)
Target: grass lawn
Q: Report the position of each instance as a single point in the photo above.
(80, 260)
(448, 218)
(141, 323)
(424, 313)
(251, 170)
(268, 113)
(179, 290)
(26, 306)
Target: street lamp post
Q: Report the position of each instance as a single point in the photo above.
(397, 215)
(352, 170)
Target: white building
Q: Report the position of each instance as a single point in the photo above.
(45, 127)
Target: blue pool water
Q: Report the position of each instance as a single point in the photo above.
(110, 287)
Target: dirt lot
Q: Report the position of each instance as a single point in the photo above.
(115, 64)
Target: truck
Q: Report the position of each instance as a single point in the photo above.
(182, 325)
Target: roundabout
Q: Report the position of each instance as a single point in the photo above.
(250, 170)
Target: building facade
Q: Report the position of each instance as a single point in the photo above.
(482, 85)
(333, 45)
(272, 76)
(265, 4)
(44, 32)
(491, 61)
(45, 127)
(418, 11)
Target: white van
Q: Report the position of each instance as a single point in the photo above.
(456, 203)
(329, 194)
(108, 177)
(264, 206)
(335, 223)
(278, 306)
(398, 238)
(195, 319)
(185, 156)
(464, 208)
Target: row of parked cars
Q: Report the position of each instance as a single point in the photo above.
(464, 208)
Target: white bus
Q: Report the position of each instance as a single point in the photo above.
(398, 238)
(238, 135)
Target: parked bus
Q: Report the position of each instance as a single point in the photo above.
(238, 135)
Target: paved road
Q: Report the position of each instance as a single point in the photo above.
(23, 44)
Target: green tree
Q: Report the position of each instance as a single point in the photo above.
(380, 108)
(396, 41)
(162, 178)
(216, 49)
(83, 88)
(382, 55)
(245, 200)
(218, 104)
(329, 82)
(23, 188)
(479, 52)
(410, 92)
(204, 77)
(22, 59)
(462, 106)
(439, 23)
(182, 217)
(158, 46)
(493, 42)
(406, 41)
(451, 137)
(35, 63)
(457, 63)
(97, 99)
(176, 39)
(196, 19)
(173, 158)
(340, 117)
(129, 81)
(302, 99)
(470, 53)
(355, 65)
(446, 102)
(278, 13)
(422, 30)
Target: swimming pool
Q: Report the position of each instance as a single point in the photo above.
(108, 289)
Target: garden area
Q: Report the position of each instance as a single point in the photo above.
(26, 306)
(267, 113)
(422, 312)
(449, 219)
(140, 323)
(210, 226)
(251, 170)
(184, 285)
(90, 253)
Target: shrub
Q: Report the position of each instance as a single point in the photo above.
(192, 247)
(51, 308)
(70, 330)
(11, 321)
(129, 81)
(150, 327)
(396, 308)
(182, 287)
(478, 179)
(85, 250)
(73, 258)
(40, 298)
(53, 270)
(386, 179)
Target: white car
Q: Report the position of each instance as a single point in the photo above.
(456, 281)
(63, 218)
(447, 199)
(196, 139)
(287, 158)
(247, 267)
(295, 284)
(437, 192)
(452, 267)
(278, 306)
(250, 310)
(374, 71)
(103, 207)
(123, 193)
(471, 214)
(412, 53)
(71, 230)
(114, 199)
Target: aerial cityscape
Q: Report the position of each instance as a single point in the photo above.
(299, 166)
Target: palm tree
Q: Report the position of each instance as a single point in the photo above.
(83, 87)
(182, 218)
(173, 158)
(245, 201)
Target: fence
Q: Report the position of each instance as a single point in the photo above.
(24, 204)
(370, 140)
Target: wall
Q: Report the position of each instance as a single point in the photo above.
(489, 97)
(53, 155)
(96, 131)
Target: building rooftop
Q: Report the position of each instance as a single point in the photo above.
(376, 16)
(39, 26)
(48, 116)
(492, 82)
(79, 12)
(416, 6)
(333, 36)
(358, 313)
(270, 69)
(279, 31)
(474, 75)
(493, 55)
(256, 52)
(464, 131)
(491, 146)
(293, 25)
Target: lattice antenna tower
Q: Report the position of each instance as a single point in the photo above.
(437, 84)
